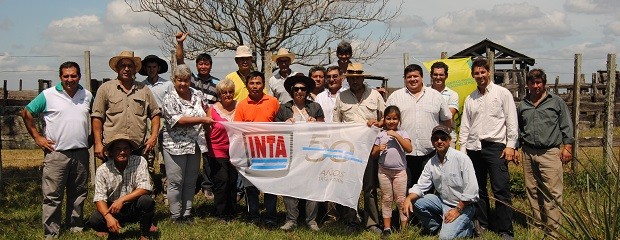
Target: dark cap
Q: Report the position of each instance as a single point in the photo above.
(441, 128)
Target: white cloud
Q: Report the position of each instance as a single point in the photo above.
(521, 19)
(408, 21)
(592, 6)
(119, 12)
(79, 29)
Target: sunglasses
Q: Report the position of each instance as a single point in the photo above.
(442, 137)
(295, 89)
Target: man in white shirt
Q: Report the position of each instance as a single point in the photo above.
(276, 83)
(448, 212)
(421, 108)
(489, 135)
(439, 74)
(327, 98)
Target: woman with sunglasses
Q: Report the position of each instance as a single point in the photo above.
(299, 110)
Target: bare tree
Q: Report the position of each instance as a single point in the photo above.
(306, 27)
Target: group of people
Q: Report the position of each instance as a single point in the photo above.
(412, 160)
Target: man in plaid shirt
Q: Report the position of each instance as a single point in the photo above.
(122, 190)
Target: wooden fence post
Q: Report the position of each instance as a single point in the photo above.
(5, 94)
(444, 55)
(91, 152)
(576, 99)
(491, 59)
(608, 127)
(555, 87)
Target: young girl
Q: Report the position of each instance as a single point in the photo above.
(390, 147)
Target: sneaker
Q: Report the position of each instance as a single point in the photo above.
(208, 195)
(313, 226)
(386, 233)
(289, 225)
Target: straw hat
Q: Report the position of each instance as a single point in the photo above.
(163, 65)
(355, 70)
(120, 137)
(283, 52)
(125, 54)
(243, 51)
(292, 80)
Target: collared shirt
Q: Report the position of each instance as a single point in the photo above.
(327, 102)
(124, 112)
(420, 115)
(111, 184)
(206, 86)
(263, 110)
(454, 179)
(66, 118)
(159, 89)
(276, 87)
(546, 125)
(348, 109)
(490, 117)
(288, 110)
(182, 139)
(452, 99)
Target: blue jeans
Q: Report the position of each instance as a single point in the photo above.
(430, 210)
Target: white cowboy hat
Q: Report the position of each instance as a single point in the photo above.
(355, 70)
(243, 51)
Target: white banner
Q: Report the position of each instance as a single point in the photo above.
(315, 161)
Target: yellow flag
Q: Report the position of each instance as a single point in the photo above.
(459, 80)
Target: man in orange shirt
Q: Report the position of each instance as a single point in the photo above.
(258, 107)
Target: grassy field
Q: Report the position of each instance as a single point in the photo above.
(20, 214)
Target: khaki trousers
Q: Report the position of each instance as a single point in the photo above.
(543, 174)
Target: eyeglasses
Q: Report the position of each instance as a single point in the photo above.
(335, 76)
(442, 137)
(295, 89)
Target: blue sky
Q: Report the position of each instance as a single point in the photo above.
(36, 36)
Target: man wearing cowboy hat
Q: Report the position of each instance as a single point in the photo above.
(122, 106)
(65, 109)
(152, 66)
(283, 59)
(422, 109)
(122, 188)
(360, 104)
(243, 58)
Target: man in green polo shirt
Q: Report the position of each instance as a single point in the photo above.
(546, 137)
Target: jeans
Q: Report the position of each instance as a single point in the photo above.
(270, 200)
(292, 210)
(207, 181)
(430, 210)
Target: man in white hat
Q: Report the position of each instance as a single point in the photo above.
(243, 58)
(122, 106)
(361, 104)
(283, 59)
(65, 109)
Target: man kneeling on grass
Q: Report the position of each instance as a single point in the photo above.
(449, 212)
(122, 188)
